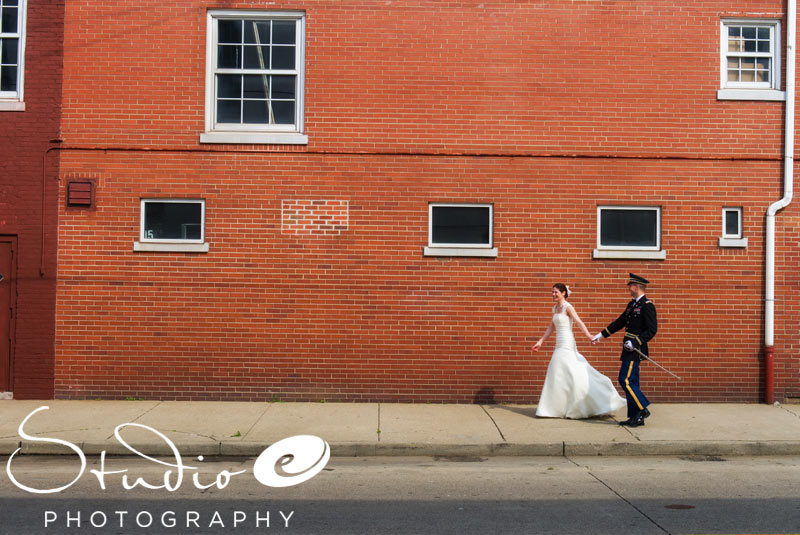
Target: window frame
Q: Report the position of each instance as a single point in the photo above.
(738, 211)
(649, 252)
(15, 100)
(751, 90)
(732, 240)
(253, 133)
(460, 249)
(171, 245)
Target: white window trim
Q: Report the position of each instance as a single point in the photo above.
(178, 246)
(733, 240)
(751, 90)
(15, 101)
(624, 252)
(253, 134)
(460, 249)
(738, 211)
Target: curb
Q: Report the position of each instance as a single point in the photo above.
(555, 449)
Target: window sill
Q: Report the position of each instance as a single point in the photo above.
(629, 254)
(254, 138)
(13, 105)
(733, 242)
(751, 94)
(455, 251)
(170, 247)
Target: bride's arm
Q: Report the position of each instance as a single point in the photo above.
(574, 316)
(544, 337)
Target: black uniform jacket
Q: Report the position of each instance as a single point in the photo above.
(639, 320)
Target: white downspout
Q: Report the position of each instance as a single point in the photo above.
(788, 181)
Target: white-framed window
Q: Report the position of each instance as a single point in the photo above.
(629, 232)
(176, 225)
(750, 59)
(12, 54)
(732, 228)
(460, 229)
(255, 77)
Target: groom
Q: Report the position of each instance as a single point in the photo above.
(639, 320)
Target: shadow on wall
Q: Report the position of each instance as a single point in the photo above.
(485, 396)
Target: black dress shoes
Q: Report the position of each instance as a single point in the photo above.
(636, 421)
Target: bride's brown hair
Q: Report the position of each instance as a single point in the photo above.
(562, 288)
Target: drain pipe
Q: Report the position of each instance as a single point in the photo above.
(788, 181)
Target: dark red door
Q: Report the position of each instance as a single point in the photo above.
(6, 311)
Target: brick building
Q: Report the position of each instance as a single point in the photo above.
(360, 200)
(31, 40)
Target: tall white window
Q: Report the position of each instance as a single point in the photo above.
(732, 228)
(254, 77)
(12, 53)
(750, 55)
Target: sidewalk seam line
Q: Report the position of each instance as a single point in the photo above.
(140, 416)
(266, 408)
(495, 423)
(379, 422)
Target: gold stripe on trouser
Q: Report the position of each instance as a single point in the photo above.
(630, 390)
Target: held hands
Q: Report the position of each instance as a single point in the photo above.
(537, 345)
(596, 338)
(628, 345)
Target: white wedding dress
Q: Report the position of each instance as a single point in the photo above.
(572, 388)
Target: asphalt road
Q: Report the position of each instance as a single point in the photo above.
(499, 495)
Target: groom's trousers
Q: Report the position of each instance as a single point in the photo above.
(629, 381)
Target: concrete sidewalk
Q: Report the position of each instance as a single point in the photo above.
(364, 429)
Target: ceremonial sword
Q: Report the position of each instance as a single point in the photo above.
(657, 364)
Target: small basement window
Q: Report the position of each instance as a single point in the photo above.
(172, 225)
(460, 230)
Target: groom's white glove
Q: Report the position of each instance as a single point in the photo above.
(628, 345)
(596, 338)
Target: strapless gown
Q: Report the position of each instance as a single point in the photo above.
(572, 388)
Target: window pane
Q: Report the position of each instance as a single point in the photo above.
(734, 45)
(731, 222)
(9, 51)
(283, 87)
(749, 33)
(749, 46)
(748, 76)
(8, 78)
(734, 31)
(229, 111)
(230, 31)
(256, 57)
(283, 32)
(283, 57)
(255, 112)
(229, 86)
(763, 46)
(229, 57)
(460, 224)
(172, 221)
(733, 76)
(628, 228)
(255, 86)
(763, 33)
(283, 112)
(256, 32)
(9, 20)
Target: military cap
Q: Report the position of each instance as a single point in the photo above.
(636, 279)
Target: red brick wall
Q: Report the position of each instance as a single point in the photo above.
(545, 110)
(24, 138)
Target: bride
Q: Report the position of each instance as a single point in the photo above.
(572, 388)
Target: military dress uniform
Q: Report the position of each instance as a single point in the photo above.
(640, 324)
